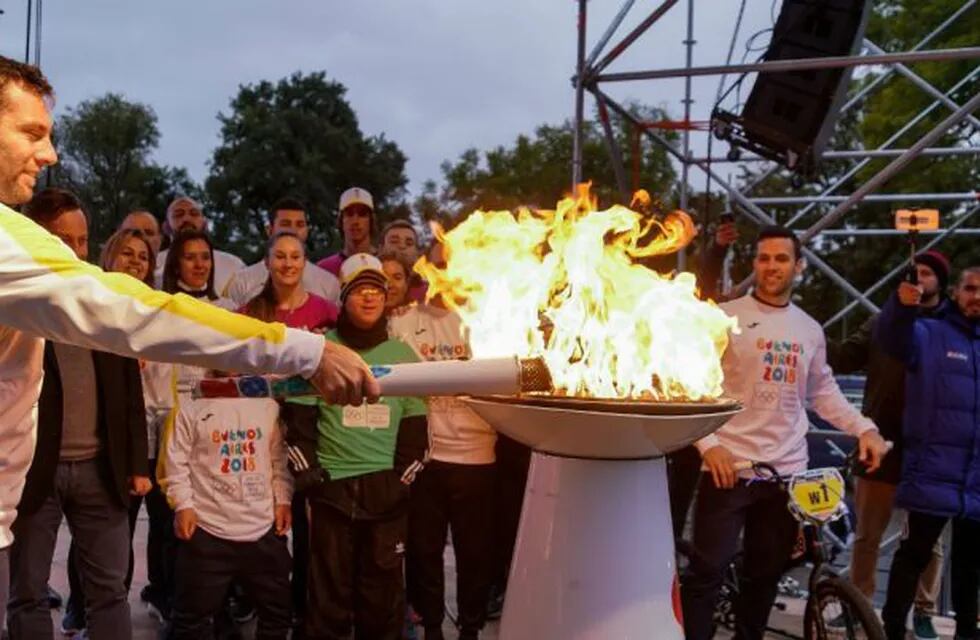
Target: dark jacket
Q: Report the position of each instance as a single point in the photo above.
(884, 390)
(371, 496)
(941, 469)
(121, 424)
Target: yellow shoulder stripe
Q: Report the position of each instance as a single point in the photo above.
(49, 252)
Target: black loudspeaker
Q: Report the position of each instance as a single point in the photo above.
(790, 115)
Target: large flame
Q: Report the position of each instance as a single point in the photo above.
(565, 285)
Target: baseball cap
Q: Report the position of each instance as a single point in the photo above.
(356, 195)
(361, 268)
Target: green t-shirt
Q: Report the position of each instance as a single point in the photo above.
(353, 441)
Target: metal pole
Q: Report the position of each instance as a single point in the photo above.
(860, 154)
(903, 267)
(894, 137)
(847, 233)
(752, 209)
(615, 156)
(579, 97)
(799, 64)
(27, 40)
(919, 82)
(686, 134)
(879, 197)
(618, 20)
(633, 35)
(893, 167)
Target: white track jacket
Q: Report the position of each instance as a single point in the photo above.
(46, 292)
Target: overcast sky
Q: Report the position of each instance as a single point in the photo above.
(436, 76)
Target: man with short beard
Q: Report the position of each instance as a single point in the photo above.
(775, 365)
(940, 479)
(186, 213)
(884, 402)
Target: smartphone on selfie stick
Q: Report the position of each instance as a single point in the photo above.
(915, 221)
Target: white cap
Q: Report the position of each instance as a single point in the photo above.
(361, 267)
(356, 195)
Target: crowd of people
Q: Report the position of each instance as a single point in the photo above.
(326, 517)
(297, 512)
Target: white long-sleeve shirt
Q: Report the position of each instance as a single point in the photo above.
(226, 460)
(775, 367)
(456, 432)
(248, 282)
(46, 292)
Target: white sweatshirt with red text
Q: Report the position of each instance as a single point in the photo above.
(226, 460)
(777, 366)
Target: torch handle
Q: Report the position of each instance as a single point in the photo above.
(439, 378)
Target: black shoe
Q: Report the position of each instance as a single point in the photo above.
(73, 623)
(433, 633)
(53, 598)
(241, 610)
(495, 606)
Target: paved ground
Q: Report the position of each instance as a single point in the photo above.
(146, 627)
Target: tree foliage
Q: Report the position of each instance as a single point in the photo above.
(105, 147)
(534, 170)
(298, 137)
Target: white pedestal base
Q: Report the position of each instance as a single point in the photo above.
(595, 553)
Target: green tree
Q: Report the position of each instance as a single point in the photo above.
(105, 147)
(299, 137)
(535, 170)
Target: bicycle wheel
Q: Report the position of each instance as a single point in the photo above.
(837, 610)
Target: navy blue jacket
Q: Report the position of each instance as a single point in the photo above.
(941, 469)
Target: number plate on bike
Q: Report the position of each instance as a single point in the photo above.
(818, 494)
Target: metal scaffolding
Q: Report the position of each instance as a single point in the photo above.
(591, 74)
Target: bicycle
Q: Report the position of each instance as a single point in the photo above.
(834, 608)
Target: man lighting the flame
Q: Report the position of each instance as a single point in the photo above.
(47, 292)
(775, 365)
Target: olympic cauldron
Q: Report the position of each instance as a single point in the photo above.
(594, 557)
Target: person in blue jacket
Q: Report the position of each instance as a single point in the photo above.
(941, 426)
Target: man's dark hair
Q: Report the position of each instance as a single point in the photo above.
(287, 203)
(47, 204)
(400, 223)
(969, 271)
(27, 76)
(779, 231)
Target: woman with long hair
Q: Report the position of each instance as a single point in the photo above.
(284, 298)
(129, 251)
(189, 267)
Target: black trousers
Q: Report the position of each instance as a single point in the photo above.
(356, 576)
(205, 568)
(911, 559)
(161, 544)
(301, 553)
(451, 497)
(683, 472)
(513, 462)
(769, 536)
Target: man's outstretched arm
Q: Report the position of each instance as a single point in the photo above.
(46, 291)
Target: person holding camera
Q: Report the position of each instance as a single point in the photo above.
(940, 480)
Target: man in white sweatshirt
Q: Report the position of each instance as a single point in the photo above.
(775, 366)
(47, 292)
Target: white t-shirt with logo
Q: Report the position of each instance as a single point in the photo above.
(458, 434)
(777, 366)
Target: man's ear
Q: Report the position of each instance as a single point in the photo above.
(800, 265)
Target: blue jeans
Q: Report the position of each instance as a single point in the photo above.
(99, 526)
